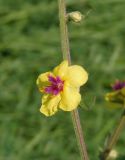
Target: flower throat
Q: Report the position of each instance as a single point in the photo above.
(56, 85)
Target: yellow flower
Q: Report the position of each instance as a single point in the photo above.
(117, 96)
(61, 87)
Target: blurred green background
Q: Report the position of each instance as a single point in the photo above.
(30, 45)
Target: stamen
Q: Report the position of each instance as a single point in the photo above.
(118, 85)
(56, 85)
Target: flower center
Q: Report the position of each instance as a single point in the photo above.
(56, 85)
(118, 85)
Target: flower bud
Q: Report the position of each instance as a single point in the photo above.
(113, 155)
(75, 16)
(117, 95)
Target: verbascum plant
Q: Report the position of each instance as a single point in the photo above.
(116, 98)
(61, 87)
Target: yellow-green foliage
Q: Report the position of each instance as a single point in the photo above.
(29, 45)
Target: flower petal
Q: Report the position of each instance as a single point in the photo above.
(50, 104)
(61, 70)
(77, 76)
(42, 80)
(123, 92)
(70, 98)
(115, 97)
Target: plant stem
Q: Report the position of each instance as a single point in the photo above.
(64, 31)
(66, 56)
(114, 138)
(79, 135)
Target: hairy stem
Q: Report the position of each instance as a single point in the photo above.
(114, 138)
(66, 56)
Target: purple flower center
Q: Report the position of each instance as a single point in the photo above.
(56, 85)
(118, 85)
